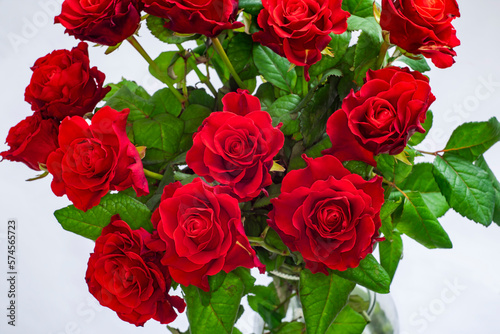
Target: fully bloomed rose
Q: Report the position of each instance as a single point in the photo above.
(93, 159)
(31, 141)
(380, 117)
(63, 84)
(299, 29)
(206, 17)
(201, 233)
(126, 276)
(237, 151)
(423, 27)
(105, 22)
(329, 215)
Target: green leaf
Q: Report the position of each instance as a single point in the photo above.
(131, 85)
(362, 8)
(338, 46)
(314, 115)
(418, 222)
(280, 112)
(322, 298)
(200, 96)
(385, 216)
(169, 64)
(395, 170)
(251, 6)
(219, 314)
(162, 133)
(156, 26)
(369, 274)
(416, 64)
(291, 328)
(467, 188)
(193, 116)
(264, 300)
(274, 68)
(140, 108)
(239, 53)
(165, 102)
(265, 93)
(470, 140)
(391, 252)
(481, 163)
(89, 224)
(347, 322)
(421, 179)
(418, 137)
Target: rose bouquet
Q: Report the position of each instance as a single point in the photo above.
(300, 160)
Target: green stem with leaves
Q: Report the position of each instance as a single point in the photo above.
(256, 241)
(163, 77)
(220, 50)
(203, 78)
(383, 52)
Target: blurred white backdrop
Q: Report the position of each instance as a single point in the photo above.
(436, 291)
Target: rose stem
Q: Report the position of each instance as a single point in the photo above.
(201, 76)
(152, 175)
(381, 56)
(164, 78)
(305, 85)
(220, 50)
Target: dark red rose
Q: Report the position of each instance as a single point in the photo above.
(423, 27)
(126, 276)
(329, 215)
(202, 233)
(380, 117)
(92, 160)
(31, 141)
(105, 22)
(241, 102)
(206, 17)
(63, 84)
(237, 151)
(299, 29)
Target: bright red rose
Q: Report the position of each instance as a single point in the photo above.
(241, 102)
(126, 276)
(380, 117)
(206, 17)
(92, 160)
(423, 27)
(329, 215)
(106, 22)
(31, 141)
(299, 29)
(237, 151)
(201, 233)
(63, 84)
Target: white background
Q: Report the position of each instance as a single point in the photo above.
(435, 291)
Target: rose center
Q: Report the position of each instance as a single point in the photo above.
(381, 114)
(196, 223)
(430, 8)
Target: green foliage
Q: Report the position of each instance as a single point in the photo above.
(239, 52)
(89, 224)
(369, 274)
(348, 321)
(216, 311)
(481, 163)
(156, 26)
(393, 169)
(391, 252)
(265, 301)
(418, 137)
(322, 298)
(274, 68)
(362, 8)
(419, 64)
(467, 188)
(280, 112)
(338, 45)
(251, 6)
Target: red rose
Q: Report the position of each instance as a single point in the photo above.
(105, 22)
(31, 141)
(237, 151)
(124, 275)
(202, 233)
(206, 17)
(423, 27)
(63, 84)
(380, 117)
(299, 29)
(241, 102)
(92, 160)
(329, 215)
